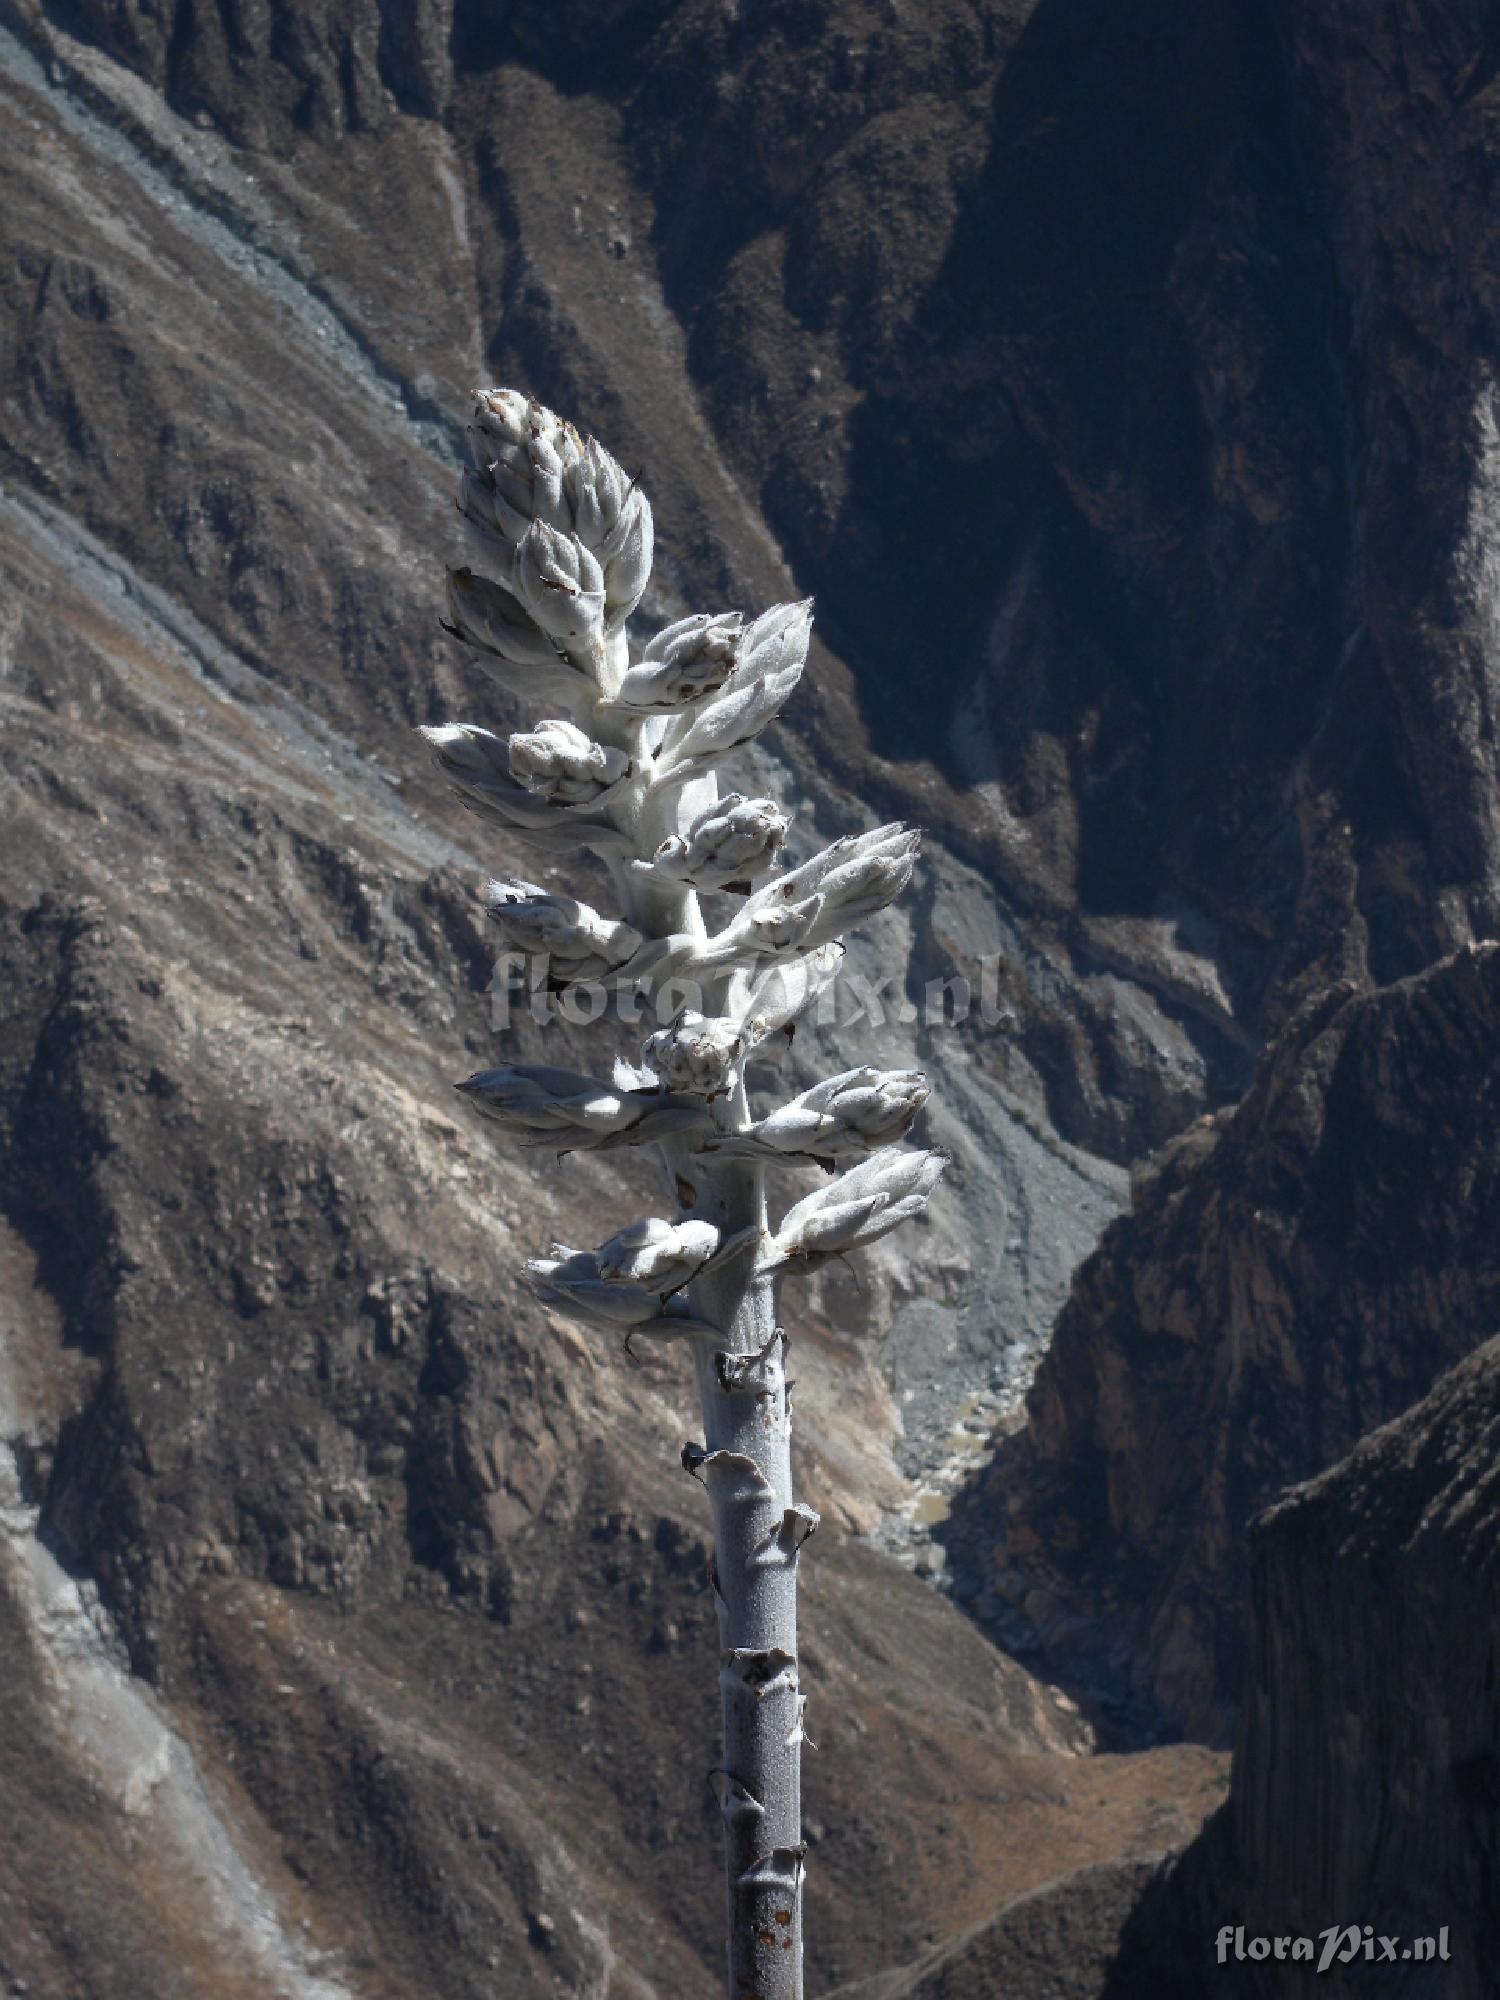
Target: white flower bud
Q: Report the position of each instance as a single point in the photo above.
(829, 894)
(772, 654)
(560, 583)
(485, 615)
(558, 761)
(477, 765)
(502, 421)
(612, 517)
(577, 942)
(860, 1205)
(700, 1056)
(476, 502)
(530, 466)
(779, 929)
(842, 1118)
(895, 843)
(683, 663)
(570, 1281)
(521, 453)
(731, 841)
(661, 1256)
(570, 1113)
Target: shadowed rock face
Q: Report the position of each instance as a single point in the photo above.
(1120, 382)
(1364, 1780)
(1363, 1789)
(1290, 1275)
(1365, 1768)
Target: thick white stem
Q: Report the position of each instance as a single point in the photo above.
(758, 1533)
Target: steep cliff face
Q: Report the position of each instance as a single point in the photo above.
(1365, 1770)
(1302, 1269)
(1290, 1275)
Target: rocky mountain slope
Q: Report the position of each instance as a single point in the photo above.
(358, 1564)
(1120, 382)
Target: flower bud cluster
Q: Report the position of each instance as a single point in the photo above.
(726, 846)
(816, 903)
(576, 943)
(627, 1282)
(481, 768)
(558, 762)
(842, 1118)
(688, 660)
(576, 530)
(697, 1055)
(556, 1109)
(860, 1206)
(768, 664)
(638, 748)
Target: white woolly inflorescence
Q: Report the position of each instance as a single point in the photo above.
(631, 773)
(719, 946)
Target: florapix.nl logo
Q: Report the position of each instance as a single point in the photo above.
(1338, 1944)
(521, 988)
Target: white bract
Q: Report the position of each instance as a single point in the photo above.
(477, 764)
(568, 1113)
(631, 769)
(571, 1282)
(861, 1205)
(663, 1256)
(495, 623)
(560, 582)
(768, 665)
(574, 940)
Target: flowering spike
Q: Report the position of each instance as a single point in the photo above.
(631, 770)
